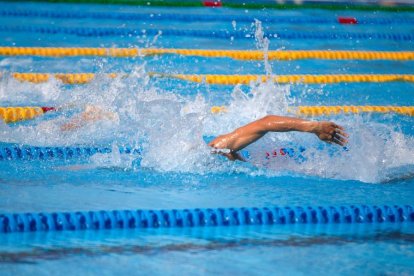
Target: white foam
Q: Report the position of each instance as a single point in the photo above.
(170, 129)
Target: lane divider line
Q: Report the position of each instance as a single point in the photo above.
(220, 34)
(82, 78)
(200, 217)
(22, 113)
(235, 54)
(16, 152)
(66, 78)
(125, 16)
(283, 79)
(282, 5)
(340, 109)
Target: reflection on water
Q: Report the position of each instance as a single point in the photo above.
(38, 247)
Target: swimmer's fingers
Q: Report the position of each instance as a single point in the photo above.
(237, 156)
(338, 126)
(339, 129)
(340, 136)
(339, 140)
(334, 139)
(341, 132)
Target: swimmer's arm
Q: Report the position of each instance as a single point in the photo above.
(91, 114)
(73, 124)
(80, 120)
(245, 135)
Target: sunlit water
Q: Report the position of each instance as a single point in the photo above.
(171, 121)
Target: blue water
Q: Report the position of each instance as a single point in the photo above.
(169, 119)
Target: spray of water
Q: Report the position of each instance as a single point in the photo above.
(171, 128)
(262, 43)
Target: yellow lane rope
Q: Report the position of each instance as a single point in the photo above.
(333, 110)
(235, 54)
(67, 78)
(309, 79)
(81, 78)
(15, 114)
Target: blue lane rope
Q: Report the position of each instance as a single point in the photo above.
(133, 219)
(194, 17)
(98, 32)
(17, 152)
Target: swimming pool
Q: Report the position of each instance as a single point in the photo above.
(167, 120)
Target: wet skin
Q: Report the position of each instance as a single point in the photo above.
(229, 144)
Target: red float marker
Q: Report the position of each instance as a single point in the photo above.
(47, 109)
(347, 20)
(212, 3)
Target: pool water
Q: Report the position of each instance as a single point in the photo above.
(171, 119)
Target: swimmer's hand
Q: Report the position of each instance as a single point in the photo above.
(231, 155)
(330, 132)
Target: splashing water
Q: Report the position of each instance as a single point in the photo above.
(262, 43)
(171, 128)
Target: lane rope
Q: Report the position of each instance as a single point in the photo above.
(66, 78)
(308, 79)
(335, 110)
(235, 54)
(15, 152)
(196, 17)
(244, 4)
(127, 32)
(200, 217)
(82, 78)
(22, 113)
